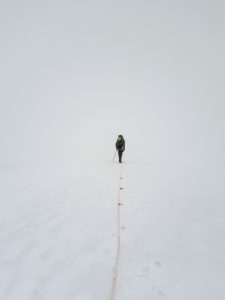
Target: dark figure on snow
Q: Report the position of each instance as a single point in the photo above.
(120, 147)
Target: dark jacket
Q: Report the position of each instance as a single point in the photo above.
(120, 145)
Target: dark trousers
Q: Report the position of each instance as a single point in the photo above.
(120, 154)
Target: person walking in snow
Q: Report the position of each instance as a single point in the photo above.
(120, 146)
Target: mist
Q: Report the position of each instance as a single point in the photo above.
(76, 74)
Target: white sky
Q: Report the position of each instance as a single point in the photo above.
(74, 74)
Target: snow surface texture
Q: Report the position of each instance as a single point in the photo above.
(74, 75)
(58, 233)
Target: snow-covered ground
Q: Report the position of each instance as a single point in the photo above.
(58, 230)
(74, 75)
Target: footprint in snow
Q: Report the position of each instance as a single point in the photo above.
(158, 264)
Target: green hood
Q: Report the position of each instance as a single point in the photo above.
(120, 138)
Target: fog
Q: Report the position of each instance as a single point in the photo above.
(74, 74)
